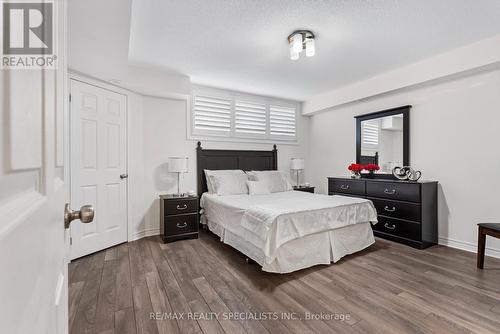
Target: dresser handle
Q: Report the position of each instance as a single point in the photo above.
(390, 192)
(344, 187)
(390, 227)
(182, 225)
(182, 208)
(390, 210)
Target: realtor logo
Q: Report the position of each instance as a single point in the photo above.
(28, 34)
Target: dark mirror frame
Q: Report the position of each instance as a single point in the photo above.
(405, 111)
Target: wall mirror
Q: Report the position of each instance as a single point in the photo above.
(383, 138)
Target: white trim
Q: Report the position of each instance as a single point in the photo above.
(144, 233)
(242, 140)
(96, 82)
(467, 246)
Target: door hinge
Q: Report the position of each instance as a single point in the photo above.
(70, 241)
(69, 97)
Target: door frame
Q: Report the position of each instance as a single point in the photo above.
(74, 75)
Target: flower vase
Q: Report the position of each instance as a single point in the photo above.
(355, 175)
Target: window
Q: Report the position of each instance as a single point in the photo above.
(250, 118)
(218, 113)
(282, 121)
(370, 133)
(212, 114)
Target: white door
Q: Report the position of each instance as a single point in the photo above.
(98, 166)
(33, 190)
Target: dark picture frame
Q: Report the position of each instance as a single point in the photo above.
(405, 111)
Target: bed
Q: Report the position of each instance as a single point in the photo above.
(282, 231)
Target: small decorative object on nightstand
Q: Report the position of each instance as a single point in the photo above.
(307, 189)
(297, 164)
(178, 217)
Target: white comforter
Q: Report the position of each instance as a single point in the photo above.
(278, 218)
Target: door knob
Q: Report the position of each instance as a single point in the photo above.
(86, 214)
(123, 176)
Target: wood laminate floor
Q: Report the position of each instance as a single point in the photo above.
(388, 288)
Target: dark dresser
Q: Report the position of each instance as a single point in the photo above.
(178, 217)
(407, 211)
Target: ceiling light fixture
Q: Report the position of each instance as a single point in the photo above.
(301, 40)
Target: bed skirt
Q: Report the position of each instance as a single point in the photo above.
(320, 248)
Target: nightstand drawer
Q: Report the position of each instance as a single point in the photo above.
(394, 190)
(397, 227)
(395, 209)
(181, 224)
(352, 187)
(181, 206)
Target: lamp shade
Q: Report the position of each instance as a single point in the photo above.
(297, 43)
(310, 47)
(178, 164)
(297, 164)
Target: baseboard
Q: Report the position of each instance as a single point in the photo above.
(467, 246)
(144, 233)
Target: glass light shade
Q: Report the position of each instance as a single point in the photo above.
(178, 164)
(310, 47)
(297, 43)
(297, 164)
(293, 55)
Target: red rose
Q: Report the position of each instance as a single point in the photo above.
(372, 167)
(355, 167)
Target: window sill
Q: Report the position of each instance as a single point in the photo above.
(242, 140)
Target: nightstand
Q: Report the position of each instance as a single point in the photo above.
(304, 188)
(178, 217)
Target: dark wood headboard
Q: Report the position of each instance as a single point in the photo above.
(232, 159)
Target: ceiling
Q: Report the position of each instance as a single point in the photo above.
(241, 44)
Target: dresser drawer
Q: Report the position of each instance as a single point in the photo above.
(394, 190)
(397, 227)
(352, 187)
(395, 209)
(181, 224)
(181, 206)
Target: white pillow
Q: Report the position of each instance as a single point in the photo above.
(252, 176)
(277, 181)
(209, 173)
(229, 184)
(258, 188)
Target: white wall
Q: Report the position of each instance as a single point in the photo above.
(473, 57)
(157, 131)
(453, 139)
(98, 37)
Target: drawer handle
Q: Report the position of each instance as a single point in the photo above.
(390, 192)
(182, 225)
(390, 210)
(184, 207)
(390, 227)
(344, 187)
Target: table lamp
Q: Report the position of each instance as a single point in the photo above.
(178, 165)
(297, 164)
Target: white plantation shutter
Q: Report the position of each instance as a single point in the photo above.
(370, 133)
(249, 118)
(282, 121)
(220, 113)
(211, 114)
